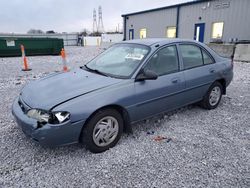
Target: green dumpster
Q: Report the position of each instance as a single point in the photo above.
(10, 46)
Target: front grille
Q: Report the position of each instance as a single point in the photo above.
(25, 108)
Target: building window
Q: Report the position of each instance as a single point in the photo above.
(171, 32)
(143, 33)
(217, 30)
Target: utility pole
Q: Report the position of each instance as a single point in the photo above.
(100, 27)
(94, 21)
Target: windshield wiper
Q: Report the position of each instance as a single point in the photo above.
(95, 71)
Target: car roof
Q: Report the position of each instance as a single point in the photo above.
(165, 41)
(155, 41)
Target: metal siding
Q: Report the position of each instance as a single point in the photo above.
(235, 18)
(237, 23)
(154, 22)
(235, 26)
(166, 7)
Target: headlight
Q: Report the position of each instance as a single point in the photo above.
(43, 116)
(62, 116)
(40, 115)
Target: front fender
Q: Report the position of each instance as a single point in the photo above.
(82, 107)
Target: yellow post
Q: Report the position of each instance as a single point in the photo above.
(98, 44)
(85, 42)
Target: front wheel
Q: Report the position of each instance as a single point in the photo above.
(213, 96)
(102, 131)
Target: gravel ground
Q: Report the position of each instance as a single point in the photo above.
(203, 149)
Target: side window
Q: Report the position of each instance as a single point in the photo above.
(206, 58)
(191, 56)
(165, 61)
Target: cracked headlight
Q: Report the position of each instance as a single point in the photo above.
(61, 116)
(40, 115)
(43, 116)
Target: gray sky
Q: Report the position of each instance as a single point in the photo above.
(68, 15)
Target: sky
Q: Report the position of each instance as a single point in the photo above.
(18, 16)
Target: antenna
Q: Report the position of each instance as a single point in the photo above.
(94, 21)
(100, 27)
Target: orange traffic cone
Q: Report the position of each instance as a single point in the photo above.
(25, 61)
(63, 54)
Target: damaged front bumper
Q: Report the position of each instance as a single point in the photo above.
(49, 134)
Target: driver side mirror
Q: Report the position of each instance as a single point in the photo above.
(146, 75)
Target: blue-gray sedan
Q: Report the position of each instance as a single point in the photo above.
(128, 82)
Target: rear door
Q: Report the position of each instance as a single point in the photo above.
(199, 71)
(155, 96)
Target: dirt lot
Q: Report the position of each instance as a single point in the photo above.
(207, 148)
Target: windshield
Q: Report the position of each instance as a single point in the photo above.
(120, 60)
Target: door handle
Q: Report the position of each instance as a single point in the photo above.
(175, 80)
(212, 70)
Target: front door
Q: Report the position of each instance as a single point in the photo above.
(199, 31)
(164, 93)
(131, 34)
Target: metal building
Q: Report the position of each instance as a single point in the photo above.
(204, 21)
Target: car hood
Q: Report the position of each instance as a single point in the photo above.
(47, 92)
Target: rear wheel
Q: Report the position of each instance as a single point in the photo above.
(213, 96)
(102, 131)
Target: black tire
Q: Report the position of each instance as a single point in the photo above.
(206, 103)
(87, 136)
